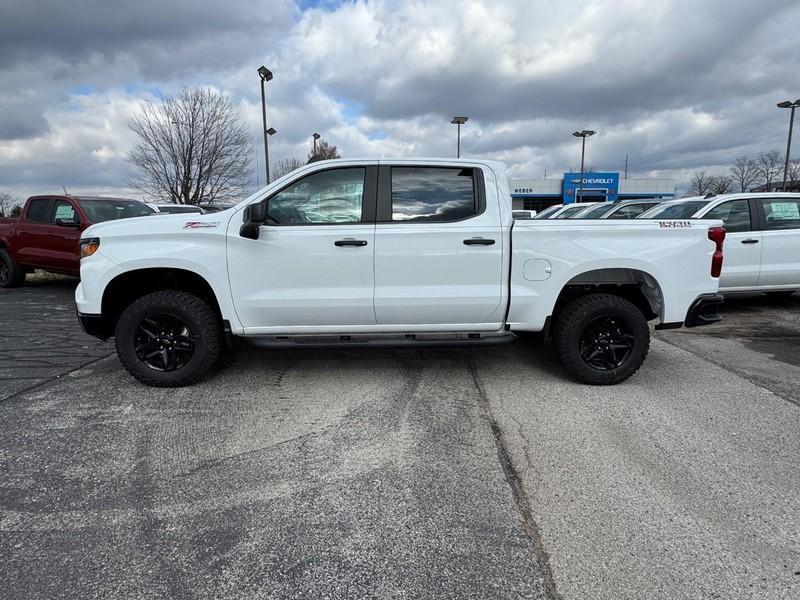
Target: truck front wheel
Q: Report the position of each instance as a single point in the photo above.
(11, 274)
(169, 338)
(601, 339)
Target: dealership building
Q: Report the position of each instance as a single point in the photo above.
(537, 194)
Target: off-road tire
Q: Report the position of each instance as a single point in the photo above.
(201, 320)
(11, 274)
(574, 319)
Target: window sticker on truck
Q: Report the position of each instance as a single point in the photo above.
(674, 224)
(200, 224)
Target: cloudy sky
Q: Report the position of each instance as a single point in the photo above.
(675, 84)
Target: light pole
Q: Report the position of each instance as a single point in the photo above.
(459, 121)
(266, 75)
(316, 136)
(583, 134)
(792, 105)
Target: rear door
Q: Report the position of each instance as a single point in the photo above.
(33, 233)
(742, 248)
(438, 249)
(780, 252)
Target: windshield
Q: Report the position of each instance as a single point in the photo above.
(571, 211)
(104, 209)
(176, 208)
(678, 210)
(547, 212)
(595, 212)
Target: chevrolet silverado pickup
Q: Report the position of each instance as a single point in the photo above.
(47, 233)
(353, 250)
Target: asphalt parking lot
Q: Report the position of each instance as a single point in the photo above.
(450, 472)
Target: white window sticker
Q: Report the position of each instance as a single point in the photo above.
(64, 211)
(784, 210)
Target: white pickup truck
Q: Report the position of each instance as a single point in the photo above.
(353, 250)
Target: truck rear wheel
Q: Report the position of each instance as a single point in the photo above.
(169, 339)
(601, 339)
(11, 274)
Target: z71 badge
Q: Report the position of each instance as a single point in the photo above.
(200, 224)
(674, 224)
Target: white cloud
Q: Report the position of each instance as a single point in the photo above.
(675, 84)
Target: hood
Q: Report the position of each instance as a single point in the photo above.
(159, 223)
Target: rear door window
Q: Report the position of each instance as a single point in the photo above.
(735, 215)
(39, 210)
(433, 194)
(781, 213)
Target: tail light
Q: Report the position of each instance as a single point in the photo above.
(716, 235)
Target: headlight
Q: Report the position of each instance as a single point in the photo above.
(89, 246)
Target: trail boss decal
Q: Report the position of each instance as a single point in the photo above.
(674, 224)
(200, 224)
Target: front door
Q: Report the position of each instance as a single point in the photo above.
(780, 253)
(65, 239)
(312, 266)
(742, 249)
(438, 249)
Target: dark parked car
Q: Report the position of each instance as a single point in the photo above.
(47, 233)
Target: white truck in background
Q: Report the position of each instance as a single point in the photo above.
(356, 250)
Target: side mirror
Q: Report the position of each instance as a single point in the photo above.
(68, 223)
(254, 216)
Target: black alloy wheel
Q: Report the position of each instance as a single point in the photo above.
(601, 338)
(606, 343)
(169, 338)
(164, 342)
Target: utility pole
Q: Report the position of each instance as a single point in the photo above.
(626, 166)
(459, 121)
(792, 105)
(583, 134)
(265, 75)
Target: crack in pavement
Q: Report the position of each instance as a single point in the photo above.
(521, 498)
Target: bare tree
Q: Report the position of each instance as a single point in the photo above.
(720, 184)
(700, 184)
(324, 152)
(283, 167)
(769, 166)
(192, 148)
(794, 170)
(744, 173)
(7, 203)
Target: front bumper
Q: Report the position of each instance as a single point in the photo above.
(93, 325)
(704, 311)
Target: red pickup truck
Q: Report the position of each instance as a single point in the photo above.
(47, 233)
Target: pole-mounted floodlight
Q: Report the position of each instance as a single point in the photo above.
(792, 105)
(271, 131)
(459, 121)
(266, 75)
(583, 134)
(315, 136)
